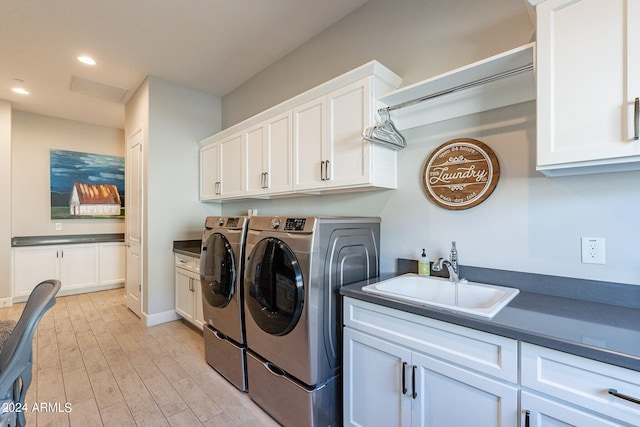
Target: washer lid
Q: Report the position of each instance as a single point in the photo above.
(217, 270)
(273, 286)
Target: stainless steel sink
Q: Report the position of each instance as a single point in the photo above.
(468, 297)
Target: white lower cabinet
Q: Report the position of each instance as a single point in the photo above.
(81, 267)
(112, 263)
(540, 411)
(563, 389)
(188, 294)
(402, 369)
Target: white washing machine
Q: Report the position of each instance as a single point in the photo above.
(293, 271)
(221, 267)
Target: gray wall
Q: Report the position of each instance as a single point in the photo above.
(530, 223)
(416, 39)
(33, 137)
(5, 202)
(174, 119)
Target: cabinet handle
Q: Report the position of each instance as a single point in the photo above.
(527, 418)
(326, 171)
(266, 180)
(262, 181)
(322, 170)
(614, 392)
(404, 385)
(414, 394)
(636, 119)
(62, 254)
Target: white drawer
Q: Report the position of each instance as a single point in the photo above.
(487, 353)
(186, 262)
(581, 381)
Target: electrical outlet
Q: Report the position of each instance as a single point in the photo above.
(58, 226)
(592, 250)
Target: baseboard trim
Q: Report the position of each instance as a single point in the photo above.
(159, 318)
(6, 302)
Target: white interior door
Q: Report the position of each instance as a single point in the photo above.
(133, 221)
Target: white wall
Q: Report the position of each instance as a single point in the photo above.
(5, 201)
(530, 223)
(33, 137)
(175, 120)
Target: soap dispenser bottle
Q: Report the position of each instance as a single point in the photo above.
(424, 267)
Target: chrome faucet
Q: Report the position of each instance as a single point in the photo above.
(452, 264)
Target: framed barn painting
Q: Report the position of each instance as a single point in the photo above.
(86, 185)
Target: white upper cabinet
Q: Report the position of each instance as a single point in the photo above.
(221, 169)
(311, 143)
(329, 150)
(588, 76)
(209, 172)
(267, 157)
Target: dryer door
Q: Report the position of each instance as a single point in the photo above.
(217, 271)
(273, 286)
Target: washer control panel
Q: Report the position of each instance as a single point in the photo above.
(295, 224)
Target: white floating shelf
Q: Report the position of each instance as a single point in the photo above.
(502, 92)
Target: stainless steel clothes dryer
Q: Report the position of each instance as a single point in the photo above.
(221, 262)
(293, 272)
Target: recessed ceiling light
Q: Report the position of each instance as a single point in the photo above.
(87, 60)
(20, 90)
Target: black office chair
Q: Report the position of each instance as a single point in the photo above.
(16, 356)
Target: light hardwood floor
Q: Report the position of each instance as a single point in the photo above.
(95, 359)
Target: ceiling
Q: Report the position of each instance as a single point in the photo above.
(211, 46)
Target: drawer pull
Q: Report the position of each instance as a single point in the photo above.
(614, 392)
(404, 384)
(414, 394)
(636, 119)
(527, 418)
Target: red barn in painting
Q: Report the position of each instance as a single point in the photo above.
(94, 199)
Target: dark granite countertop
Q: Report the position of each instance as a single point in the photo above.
(187, 247)
(66, 239)
(596, 330)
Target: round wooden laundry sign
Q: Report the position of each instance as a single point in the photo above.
(461, 174)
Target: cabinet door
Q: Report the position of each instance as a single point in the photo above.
(373, 382)
(543, 412)
(209, 172)
(184, 294)
(585, 108)
(112, 263)
(309, 137)
(278, 158)
(254, 164)
(79, 266)
(349, 154)
(450, 396)
(231, 167)
(32, 265)
(198, 312)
